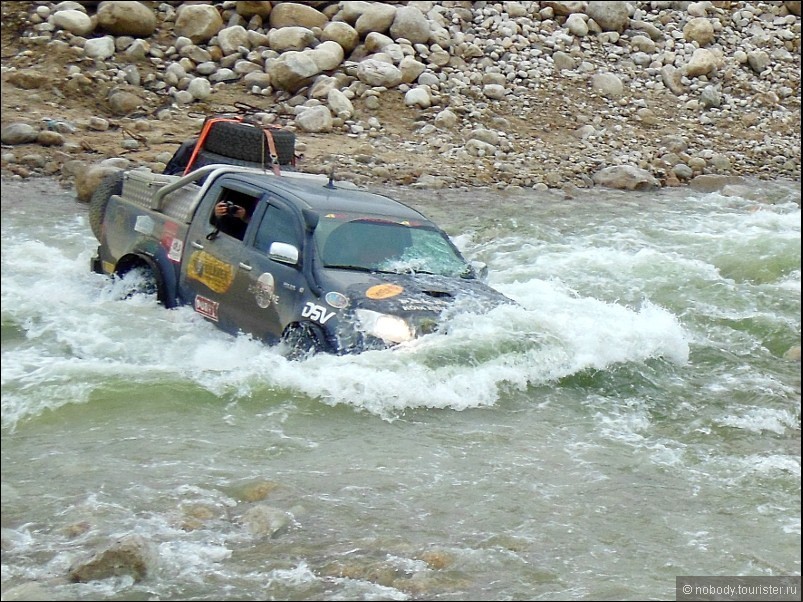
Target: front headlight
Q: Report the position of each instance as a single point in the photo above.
(391, 329)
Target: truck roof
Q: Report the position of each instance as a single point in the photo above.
(316, 194)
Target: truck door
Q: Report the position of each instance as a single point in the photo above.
(213, 253)
(271, 288)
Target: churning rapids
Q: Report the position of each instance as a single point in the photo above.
(637, 418)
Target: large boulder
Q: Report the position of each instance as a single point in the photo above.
(411, 24)
(289, 14)
(292, 70)
(198, 22)
(132, 556)
(379, 73)
(77, 22)
(610, 16)
(625, 177)
(126, 18)
(87, 180)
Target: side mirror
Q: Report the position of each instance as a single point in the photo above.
(283, 253)
(480, 269)
(310, 219)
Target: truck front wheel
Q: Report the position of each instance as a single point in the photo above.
(303, 340)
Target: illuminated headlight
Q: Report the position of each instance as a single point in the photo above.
(383, 326)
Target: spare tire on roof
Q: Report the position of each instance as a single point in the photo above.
(248, 142)
(205, 158)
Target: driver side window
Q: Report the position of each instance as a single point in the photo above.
(278, 225)
(231, 224)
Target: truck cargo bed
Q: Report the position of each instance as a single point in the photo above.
(140, 187)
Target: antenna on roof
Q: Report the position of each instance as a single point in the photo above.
(331, 182)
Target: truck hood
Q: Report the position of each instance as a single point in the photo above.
(411, 294)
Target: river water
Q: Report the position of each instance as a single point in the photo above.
(636, 419)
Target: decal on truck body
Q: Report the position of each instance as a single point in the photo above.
(316, 313)
(170, 242)
(144, 224)
(383, 291)
(423, 304)
(206, 307)
(265, 290)
(176, 250)
(211, 271)
(335, 299)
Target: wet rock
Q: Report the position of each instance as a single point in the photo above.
(266, 521)
(132, 555)
(712, 182)
(625, 177)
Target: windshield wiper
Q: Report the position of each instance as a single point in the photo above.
(346, 266)
(360, 268)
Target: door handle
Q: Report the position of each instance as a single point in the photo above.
(196, 245)
(245, 266)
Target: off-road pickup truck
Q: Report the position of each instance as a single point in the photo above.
(317, 265)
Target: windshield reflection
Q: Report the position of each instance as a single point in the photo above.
(379, 244)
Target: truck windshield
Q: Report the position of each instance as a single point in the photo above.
(381, 244)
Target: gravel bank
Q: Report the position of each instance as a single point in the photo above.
(559, 95)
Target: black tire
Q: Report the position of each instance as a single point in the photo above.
(140, 280)
(140, 277)
(205, 157)
(109, 185)
(304, 340)
(247, 142)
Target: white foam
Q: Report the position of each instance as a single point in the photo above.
(84, 332)
(759, 419)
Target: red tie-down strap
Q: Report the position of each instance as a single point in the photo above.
(274, 156)
(202, 138)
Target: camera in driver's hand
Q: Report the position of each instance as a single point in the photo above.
(231, 208)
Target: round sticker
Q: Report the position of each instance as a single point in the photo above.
(337, 300)
(264, 290)
(383, 291)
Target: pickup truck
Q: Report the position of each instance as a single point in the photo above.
(316, 265)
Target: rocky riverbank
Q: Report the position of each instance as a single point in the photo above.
(559, 95)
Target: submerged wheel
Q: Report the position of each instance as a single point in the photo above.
(249, 143)
(136, 276)
(138, 280)
(303, 340)
(109, 185)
